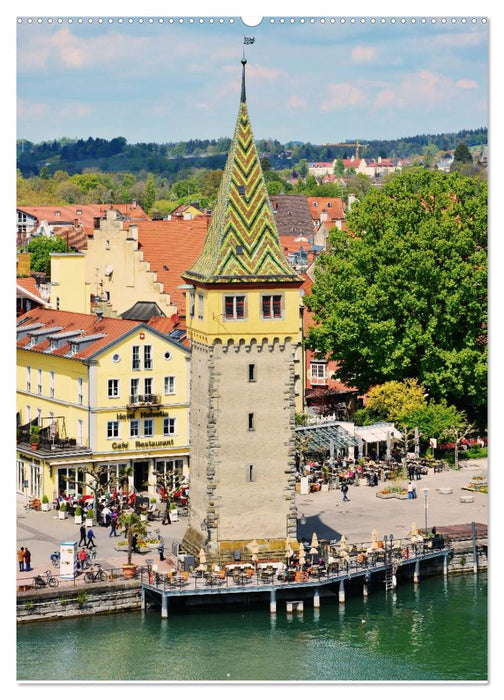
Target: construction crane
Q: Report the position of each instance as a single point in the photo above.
(346, 145)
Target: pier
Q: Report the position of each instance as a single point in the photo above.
(159, 590)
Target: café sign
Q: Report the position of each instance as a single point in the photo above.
(143, 444)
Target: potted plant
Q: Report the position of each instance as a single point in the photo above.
(132, 525)
(45, 503)
(34, 437)
(90, 517)
(63, 514)
(173, 512)
(78, 515)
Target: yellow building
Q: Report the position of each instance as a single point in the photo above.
(107, 395)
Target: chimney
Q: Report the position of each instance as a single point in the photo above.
(133, 203)
(76, 223)
(133, 232)
(96, 222)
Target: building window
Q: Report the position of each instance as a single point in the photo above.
(251, 475)
(112, 429)
(134, 387)
(315, 204)
(51, 384)
(80, 395)
(318, 372)
(57, 303)
(80, 432)
(113, 388)
(135, 357)
(147, 387)
(251, 421)
(134, 428)
(191, 304)
(251, 373)
(147, 357)
(234, 307)
(169, 385)
(74, 348)
(28, 414)
(168, 426)
(39, 382)
(200, 306)
(28, 379)
(272, 306)
(148, 427)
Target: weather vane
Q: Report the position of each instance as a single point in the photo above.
(247, 40)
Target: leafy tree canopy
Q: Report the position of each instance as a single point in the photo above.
(394, 400)
(41, 249)
(405, 294)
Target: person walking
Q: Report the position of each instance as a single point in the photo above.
(344, 491)
(90, 540)
(113, 524)
(161, 551)
(82, 540)
(21, 559)
(166, 517)
(27, 559)
(82, 557)
(134, 543)
(410, 490)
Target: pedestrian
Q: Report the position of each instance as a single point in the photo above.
(166, 516)
(410, 490)
(21, 559)
(414, 490)
(134, 542)
(344, 491)
(82, 535)
(161, 551)
(82, 557)
(90, 536)
(113, 524)
(27, 559)
(106, 516)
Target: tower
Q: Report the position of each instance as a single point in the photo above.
(243, 323)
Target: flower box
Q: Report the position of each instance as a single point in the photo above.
(62, 515)
(46, 506)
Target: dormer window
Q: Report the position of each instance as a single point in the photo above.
(241, 190)
(315, 204)
(57, 213)
(74, 348)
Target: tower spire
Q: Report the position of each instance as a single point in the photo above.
(243, 93)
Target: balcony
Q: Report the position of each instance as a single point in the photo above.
(144, 400)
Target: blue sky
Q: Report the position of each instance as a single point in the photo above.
(318, 82)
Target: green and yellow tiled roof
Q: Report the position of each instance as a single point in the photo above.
(242, 243)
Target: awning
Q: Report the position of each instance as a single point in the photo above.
(321, 435)
(376, 432)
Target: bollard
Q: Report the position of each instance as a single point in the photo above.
(164, 606)
(365, 591)
(445, 565)
(272, 602)
(416, 574)
(316, 598)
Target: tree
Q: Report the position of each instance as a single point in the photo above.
(404, 295)
(132, 525)
(394, 401)
(339, 168)
(40, 250)
(462, 154)
(149, 193)
(440, 421)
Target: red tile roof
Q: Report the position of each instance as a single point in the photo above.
(332, 205)
(171, 247)
(88, 212)
(30, 285)
(351, 163)
(107, 329)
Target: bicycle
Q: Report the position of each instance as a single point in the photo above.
(55, 559)
(95, 575)
(40, 582)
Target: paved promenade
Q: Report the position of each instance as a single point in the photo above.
(324, 512)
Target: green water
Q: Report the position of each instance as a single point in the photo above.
(434, 631)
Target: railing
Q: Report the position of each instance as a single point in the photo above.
(144, 399)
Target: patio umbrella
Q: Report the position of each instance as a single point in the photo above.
(288, 549)
(301, 554)
(343, 545)
(374, 539)
(202, 556)
(414, 531)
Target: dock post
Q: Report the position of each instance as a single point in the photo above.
(475, 548)
(144, 602)
(316, 598)
(341, 596)
(445, 565)
(367, 579)
(273, 602)
(164, 606)
(416, 574)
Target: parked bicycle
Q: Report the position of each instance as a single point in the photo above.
(55, 559)
(40, 582)
(97, 574)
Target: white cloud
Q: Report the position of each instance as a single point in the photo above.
(363, 54)
(26, 109)
(342, 95)
(295, 102)
(466, 84)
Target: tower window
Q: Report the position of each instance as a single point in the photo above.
(251, 373)
(234, 307)
(272, 306)
(251, 421)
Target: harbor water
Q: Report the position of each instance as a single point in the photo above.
(434, 631)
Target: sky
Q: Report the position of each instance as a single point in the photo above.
(322, 82)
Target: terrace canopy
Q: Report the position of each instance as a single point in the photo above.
(321, 436)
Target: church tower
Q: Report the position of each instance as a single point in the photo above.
(243, 323)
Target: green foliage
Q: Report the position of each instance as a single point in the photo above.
(405, 295)
(132, 525)
(40, 249)
(462, 154)
(339, 168)
(45, 498)
(82, 599)
(394, 400)
(436, 419)
(149, 193)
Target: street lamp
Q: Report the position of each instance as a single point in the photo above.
(426, 493)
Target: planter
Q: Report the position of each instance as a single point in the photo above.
(90, 522)
(62, 515)
(34, 445)
(129, 570)
(324, 487)
(174, 515)
(143, 518)
(46, 506)
(78, 519)
(384, 495)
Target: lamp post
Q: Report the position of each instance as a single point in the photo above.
(426, 493)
